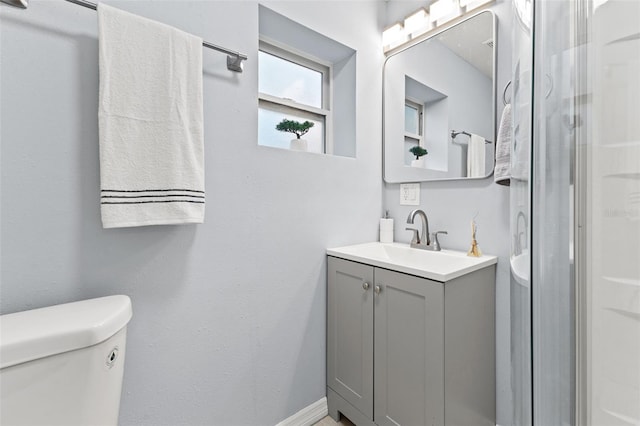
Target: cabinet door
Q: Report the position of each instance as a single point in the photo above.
(409, 350)
(350, 332)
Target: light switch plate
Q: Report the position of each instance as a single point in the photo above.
(409, 194)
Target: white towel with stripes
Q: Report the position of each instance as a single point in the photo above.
(150, 122)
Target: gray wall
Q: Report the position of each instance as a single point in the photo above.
(451, 206)
(229, 316)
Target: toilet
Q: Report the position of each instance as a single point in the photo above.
(63, 364)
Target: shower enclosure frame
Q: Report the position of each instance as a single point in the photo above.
(576, 324)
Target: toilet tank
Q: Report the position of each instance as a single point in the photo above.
(63, 365)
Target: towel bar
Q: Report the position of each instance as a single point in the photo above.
(462, 132)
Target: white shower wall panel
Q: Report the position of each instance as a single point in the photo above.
(614, 212)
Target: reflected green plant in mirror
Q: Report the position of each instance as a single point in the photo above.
(418, 151)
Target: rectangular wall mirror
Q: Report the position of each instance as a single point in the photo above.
(439, 95)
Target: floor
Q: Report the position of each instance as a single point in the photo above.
(328, 421)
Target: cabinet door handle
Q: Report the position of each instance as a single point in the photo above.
(365, 286)
(377, 289)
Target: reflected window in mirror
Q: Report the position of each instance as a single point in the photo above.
(413, 127)
(413, 120)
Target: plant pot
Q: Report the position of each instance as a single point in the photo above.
(298, 145)
(418, 163)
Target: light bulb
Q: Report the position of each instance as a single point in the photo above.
(444, 10)
(417, 23)
(393, 36)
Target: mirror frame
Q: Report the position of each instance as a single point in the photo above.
(426, 37)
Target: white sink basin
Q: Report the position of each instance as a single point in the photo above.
(441, 266)
(520, 268)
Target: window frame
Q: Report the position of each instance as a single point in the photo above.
(305, 60)
(419, 137)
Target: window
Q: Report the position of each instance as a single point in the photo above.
(413, 121)
(305, 76)
(426, 123)
(293, 87)
(413, 128)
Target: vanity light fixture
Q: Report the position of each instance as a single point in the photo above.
(417, 23)
(393, 36)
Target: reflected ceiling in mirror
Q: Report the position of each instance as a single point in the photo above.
(439, 95)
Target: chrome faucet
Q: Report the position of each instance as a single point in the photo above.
(423, 240)
(520, 237)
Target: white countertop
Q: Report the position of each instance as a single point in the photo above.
(440, 266)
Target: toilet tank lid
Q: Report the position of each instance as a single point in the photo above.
(29, 335)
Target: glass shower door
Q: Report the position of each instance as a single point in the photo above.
(541, 214)
(576, 320)
(552, 296)
(519, 94)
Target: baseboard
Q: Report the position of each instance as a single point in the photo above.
(308, 415)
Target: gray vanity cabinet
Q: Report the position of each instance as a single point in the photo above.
(405, 350)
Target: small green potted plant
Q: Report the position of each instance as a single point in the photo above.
(297, 128)
(418, 151)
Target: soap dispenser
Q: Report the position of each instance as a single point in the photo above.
(386, 228)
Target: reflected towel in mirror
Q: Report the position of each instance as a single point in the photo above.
(475, 156)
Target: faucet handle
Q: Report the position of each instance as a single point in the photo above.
(434, 239)
(416, 235)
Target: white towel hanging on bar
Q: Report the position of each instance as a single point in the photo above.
(150, 122)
